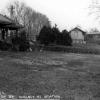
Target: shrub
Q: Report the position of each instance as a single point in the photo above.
(20, 43)
(24, 46)
(50, 35)
(5, 46)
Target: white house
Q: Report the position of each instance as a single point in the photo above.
(77, 35)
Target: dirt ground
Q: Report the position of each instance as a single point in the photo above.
(71, 76)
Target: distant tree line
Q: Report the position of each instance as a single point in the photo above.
(32, 22)
(50, 35)
(35, 24)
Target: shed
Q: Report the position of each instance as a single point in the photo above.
(77, 35)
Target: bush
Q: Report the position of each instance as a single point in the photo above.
(24, 46)
(50, 35)
(5, 46)
(20, 43)
(46, 36)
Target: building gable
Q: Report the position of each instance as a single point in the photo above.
(77, 35)
(78, 29)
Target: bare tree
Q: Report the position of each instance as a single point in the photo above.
(32, 20)
(94, 8)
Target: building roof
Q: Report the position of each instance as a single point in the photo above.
(76, 28)
(5, 19)
(6, 22)
(14, 26)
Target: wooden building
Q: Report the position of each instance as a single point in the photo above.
(78, 36)
(8, 28)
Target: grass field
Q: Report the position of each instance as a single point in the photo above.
(71, 76)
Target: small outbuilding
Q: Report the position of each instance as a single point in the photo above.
(78, 36)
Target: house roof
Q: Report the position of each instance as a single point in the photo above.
(6, 22)
(76, 28)
(14, 26)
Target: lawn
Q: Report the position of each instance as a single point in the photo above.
(71, 76)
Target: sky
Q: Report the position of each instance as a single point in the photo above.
(66, 14)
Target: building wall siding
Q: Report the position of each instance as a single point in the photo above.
(77, 36)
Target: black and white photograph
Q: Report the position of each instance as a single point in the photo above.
(50, 50)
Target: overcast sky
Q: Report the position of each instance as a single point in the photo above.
(65, 13)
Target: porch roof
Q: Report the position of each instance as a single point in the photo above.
(8, 23)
